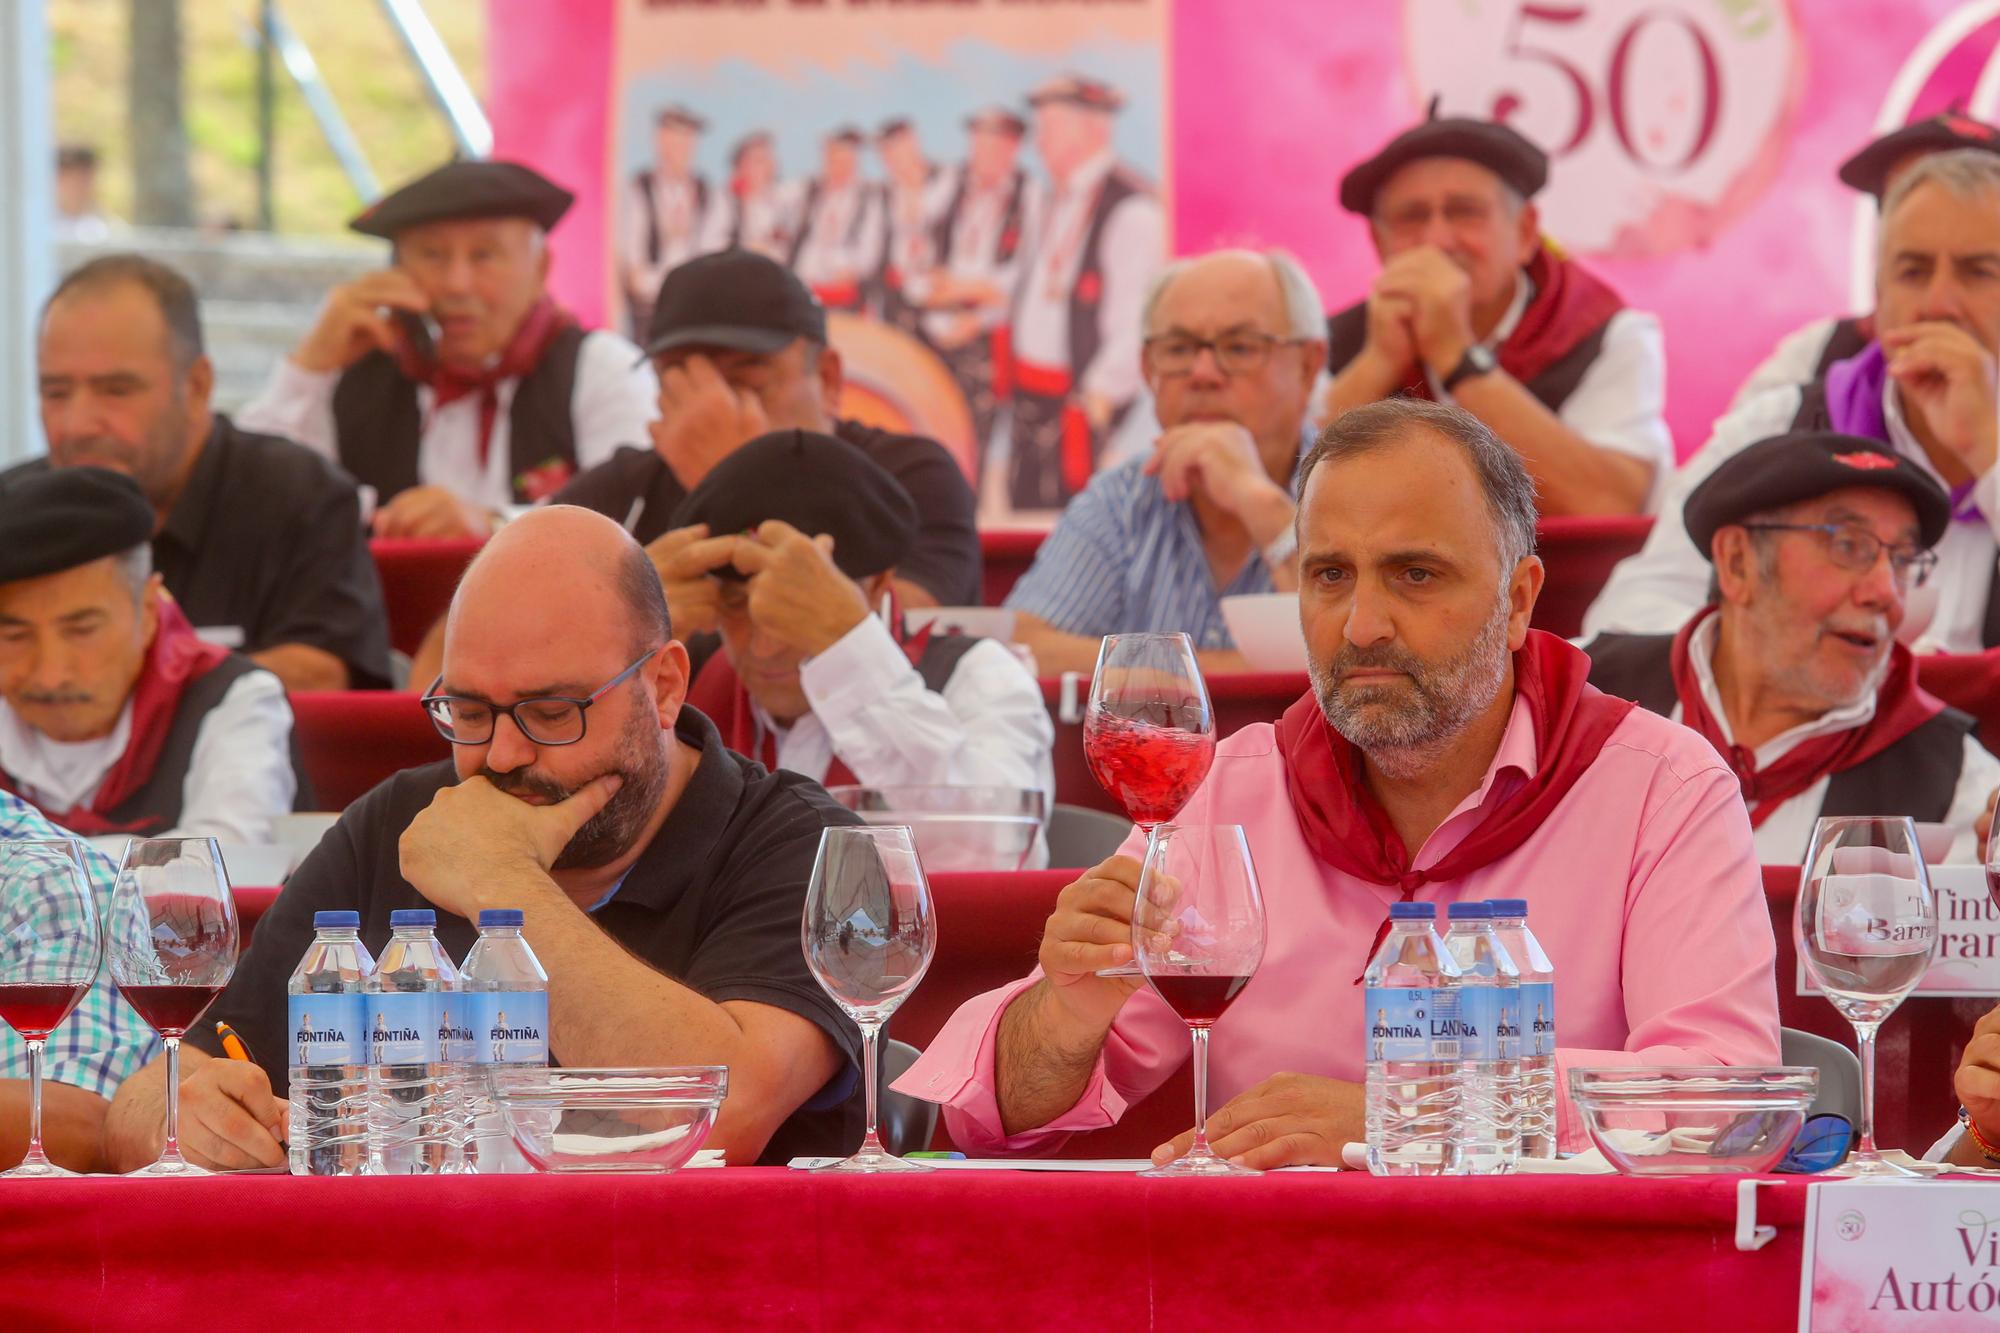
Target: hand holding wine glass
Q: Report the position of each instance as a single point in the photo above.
(170, 936)
(50, 951)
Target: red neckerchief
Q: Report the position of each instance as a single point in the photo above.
(176, 658)
(545, 319)
(1901, 706)
(721, 697)
(1568, 306)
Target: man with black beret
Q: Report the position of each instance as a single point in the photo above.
(839, 232)
(116, 720)
(1806, 354)
(665, 212)
(1792, 671)
(1474, 307)
(816, 674)
(1927, 388)
(451, 383)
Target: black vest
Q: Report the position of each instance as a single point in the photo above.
(1009, 239)
(1847, 339)
(1347, 333)
(813, 192)
(1813, 414)
(1086, 294)
(1917, 776)
(655, 243)
(940, 658)
(379, 427)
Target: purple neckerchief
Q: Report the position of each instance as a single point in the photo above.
(1854, 396)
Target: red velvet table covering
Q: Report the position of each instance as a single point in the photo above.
(783, 1249)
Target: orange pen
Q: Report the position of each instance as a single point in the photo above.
(232, 1045)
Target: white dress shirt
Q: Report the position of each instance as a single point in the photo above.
(239, 777)
(975, 248)
(842, 235)
(615, 396)
(1132, 251)
(767, 222)
(1782, 837)
(1657, 590)
(1620, 403)
(1792, 361)
(673, 208)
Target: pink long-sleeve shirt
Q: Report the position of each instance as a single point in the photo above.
(1643, 886)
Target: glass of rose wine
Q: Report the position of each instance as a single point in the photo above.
(50, 950)
(1148, 731)
(1198, 929)
(1867, 929)
(170, 934)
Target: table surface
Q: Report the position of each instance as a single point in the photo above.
(1020, 1250)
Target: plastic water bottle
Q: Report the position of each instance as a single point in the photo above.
(1538, 1025)
(411, 1000)
(1412, 1088)
(1488, 1014)
(506, 996)
(327, 1016)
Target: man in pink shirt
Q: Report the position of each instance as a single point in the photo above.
(1447, 752)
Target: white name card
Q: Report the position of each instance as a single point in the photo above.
(1885, 1256)
(1968, 953)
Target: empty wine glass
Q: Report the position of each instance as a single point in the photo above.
(1148, 730)
(50, 950)
(869, 934)
(170, 936)
(1198, 931)
(1866, 928)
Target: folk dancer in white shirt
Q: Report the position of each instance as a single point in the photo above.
(451, 383)
(1074, 369)
(839, 233)
(913, 195)
(664, 217)
(115, 719)
(757, 212)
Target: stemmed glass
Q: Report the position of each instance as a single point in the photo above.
(869, 934)
(50, 950)
(1866, 927)
(1198, 931)
(170, 934)
(1148, 731)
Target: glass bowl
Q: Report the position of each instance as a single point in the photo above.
(1693, 1120)
(610, 1119)
(957, 828)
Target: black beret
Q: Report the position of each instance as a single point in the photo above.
(1868, 170)
(816, 483)
(676, 114)
(1004, 119)
(847, 134)
(1078, 90)
(1501, 150)
(52, 519)
(1805, 465)
(467, 190)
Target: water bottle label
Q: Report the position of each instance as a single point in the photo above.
(1507, 1034)
(1405, 1021)
(1477, 1022)
(455, 1026)
(327, 1030)
(403, 1028)
(1538, 1013)
(510, 1027)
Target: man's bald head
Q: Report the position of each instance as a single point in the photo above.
(574, 559)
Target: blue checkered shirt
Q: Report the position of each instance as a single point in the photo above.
(103, 1040)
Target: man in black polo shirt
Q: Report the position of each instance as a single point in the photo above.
(259, 539)
(662, 877)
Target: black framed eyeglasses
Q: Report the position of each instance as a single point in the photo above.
(549, 719)
(1856, 549)
(1235, 353)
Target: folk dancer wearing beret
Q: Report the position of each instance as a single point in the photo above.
(1925, 388)
(450, 382)
(664, 214)
(1072, 366)
(1474, 307)
(258, 539)
(116, 720)
(812, 677)
(839, 231)
(1807, 353)
(1792, 671)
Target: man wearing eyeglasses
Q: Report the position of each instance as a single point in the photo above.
(1232, 347)
(1472, 307)
(1792, 671)
(662, 877)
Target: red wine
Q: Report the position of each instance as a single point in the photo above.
(35, 1009)
(1198, 1000)
(1150, 771)
(171, 1010)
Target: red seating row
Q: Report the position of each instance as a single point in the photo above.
(418, 579)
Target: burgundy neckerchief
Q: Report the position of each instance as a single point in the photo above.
(524, 351)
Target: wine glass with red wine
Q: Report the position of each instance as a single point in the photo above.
(1148, 732)
(1198, 928)
(170, 935)
(50, 950)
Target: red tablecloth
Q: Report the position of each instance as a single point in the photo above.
(782, 1249)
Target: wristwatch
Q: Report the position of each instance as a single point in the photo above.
(1478, 360)
(1283, 550)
